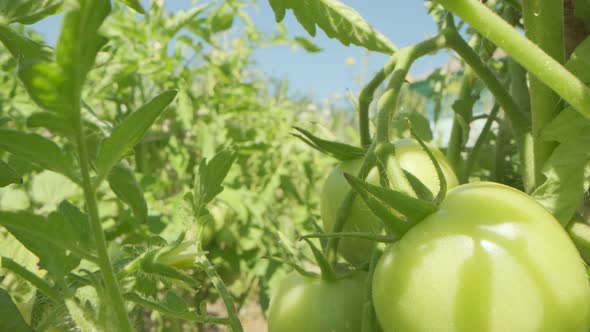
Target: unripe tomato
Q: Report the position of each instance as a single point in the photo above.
(312, 304)
(412, 158)
(491, 259)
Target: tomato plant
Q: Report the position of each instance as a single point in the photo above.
(139, 124)
(316, 304)
(490, 259)
(412, 158)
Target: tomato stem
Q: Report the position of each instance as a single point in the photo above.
(233, 318)
(518, 120)
(543, 22)
(366, 97)
(104, 262)
(524, 51)
(468, 167)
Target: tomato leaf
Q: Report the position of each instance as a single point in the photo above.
(567, 170)
(307, 45)
(582, 9)
(388, 204)
(38, 150)
(8, 175)
(57, 86)
(209, 178)
(21, 47)
(337, 150)
(134, 4)
(221, 19)
(40, 284)
(79, 233)
(48, 238)
(10, 317)
(183, 18)
(579, 61)
(27, 11)
(129, 132)
(123, 183)
(50, 121)
(45, 82)
(337, 20)
(419, 122)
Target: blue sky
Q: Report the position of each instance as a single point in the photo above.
(325, 74)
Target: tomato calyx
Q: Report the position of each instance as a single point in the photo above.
(400, 208)
(398, 211)
(442, 191)
(326, 273)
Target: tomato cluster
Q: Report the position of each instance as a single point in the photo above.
(490, 258)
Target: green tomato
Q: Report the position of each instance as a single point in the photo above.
(312, 304)
(491, 259)
(412, 158)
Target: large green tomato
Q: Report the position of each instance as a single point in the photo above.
(312, 304)
(491, 259)
(411, 158)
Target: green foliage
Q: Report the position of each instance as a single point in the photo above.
(195, 196)
(8, 175)
(568, 169)
(337, 20)
(10, 317)
(337, 150)
(128, 133)
(27, 11)
(38, 150)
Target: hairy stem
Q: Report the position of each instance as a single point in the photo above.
(104, 262)
(233, 319)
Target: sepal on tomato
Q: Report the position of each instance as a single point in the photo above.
(337, 150)
(398, 211)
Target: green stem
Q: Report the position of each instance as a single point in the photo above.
(502, 144)
(366, 97)
(518, 120)
(344, 208)
(456, 143)
(405, 58)
(399, 64)
(467, 95)
(190, 316)
(233, 319)
(104, 262)
(543, 22)
(130, 267)
(524, 51)
(478, 145)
